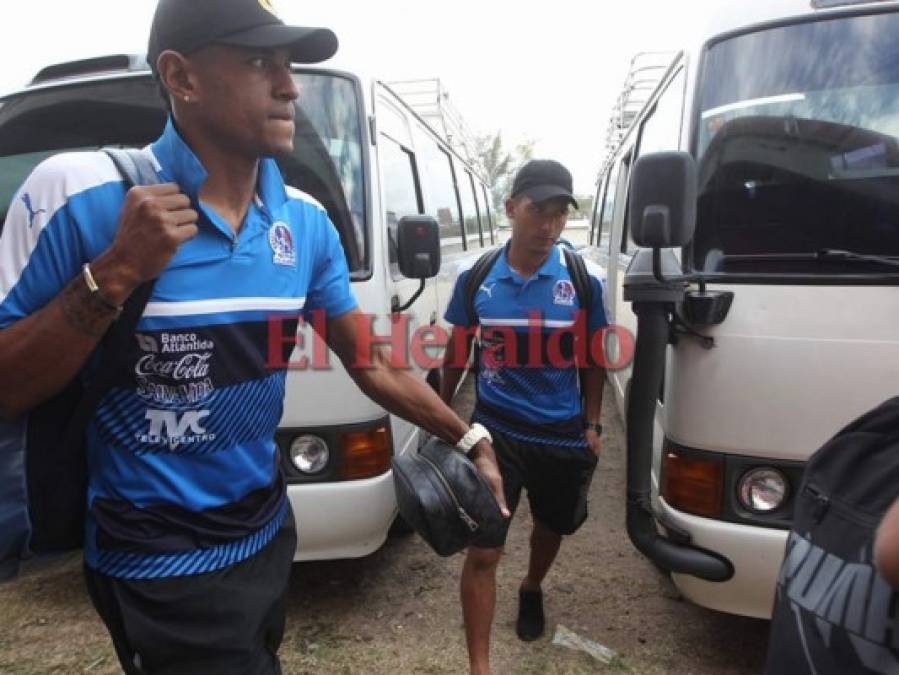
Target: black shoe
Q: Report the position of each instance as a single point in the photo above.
(530, 622)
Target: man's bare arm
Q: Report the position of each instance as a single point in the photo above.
(594, 380)
(886, 546)
(42, 352)
(451, 373)
(405, 395)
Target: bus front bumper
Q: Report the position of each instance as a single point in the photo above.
(342, 519)
(756, 554)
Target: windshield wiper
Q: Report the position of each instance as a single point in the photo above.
(822, 255)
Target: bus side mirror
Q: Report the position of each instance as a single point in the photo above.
(418, 247)
(662, 207)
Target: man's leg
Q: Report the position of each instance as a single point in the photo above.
(478, 584)
(557, 482)
(478, 589)
(544, 547)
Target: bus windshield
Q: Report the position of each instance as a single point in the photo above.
(797, 149)
(128, 111)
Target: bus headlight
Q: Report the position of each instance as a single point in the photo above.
(763, 490)
(309, 454)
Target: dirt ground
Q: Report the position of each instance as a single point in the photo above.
(397, 611)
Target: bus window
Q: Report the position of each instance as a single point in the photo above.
(607, 210)
(488, 215)
(469, 211)
(660, 132)
(392, 123)
(480, 207)
(401, 196)
(439, 192)
(595, 219)
(796, 156)
(662, 127)
(620, 216)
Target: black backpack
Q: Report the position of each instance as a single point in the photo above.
(833, 613)
(54, 470)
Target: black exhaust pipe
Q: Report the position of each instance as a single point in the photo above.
(646, 381)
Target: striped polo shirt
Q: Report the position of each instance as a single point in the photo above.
(184, 475)
(523, 387)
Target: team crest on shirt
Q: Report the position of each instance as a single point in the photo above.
(563, 293)
(281, 241)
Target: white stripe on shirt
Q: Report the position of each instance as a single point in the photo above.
(223, 305)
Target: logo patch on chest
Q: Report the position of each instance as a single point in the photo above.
(281, 241)
(563, 293)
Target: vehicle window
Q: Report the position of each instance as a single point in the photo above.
(795, 159)
(469, 207)
(400, 192)
(662, 127)
(334, 177)
(439, 190)
(607, 211)
(595, 218)
(326, 162)
(487, 216)
(393, 123)
(628, 247)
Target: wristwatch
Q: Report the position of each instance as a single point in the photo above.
(595, 426)
(478, 432)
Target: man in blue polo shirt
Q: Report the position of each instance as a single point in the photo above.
(190, 536)
(528, 395)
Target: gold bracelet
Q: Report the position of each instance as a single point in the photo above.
(95, 291)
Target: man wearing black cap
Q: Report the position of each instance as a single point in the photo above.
(189, 535)
(546, 441)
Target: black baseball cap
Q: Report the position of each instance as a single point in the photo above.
(188, 25)
(542, 179)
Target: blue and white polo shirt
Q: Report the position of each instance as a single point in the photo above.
(520, 390)
(184, 476)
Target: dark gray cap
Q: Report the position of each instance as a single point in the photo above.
(188, 25)
(542, 179)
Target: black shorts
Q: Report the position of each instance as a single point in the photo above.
(227, 621)
(556, 478)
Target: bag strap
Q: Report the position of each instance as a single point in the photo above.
(136, 168)
(475, 278)
(583, 289)
(580, 279)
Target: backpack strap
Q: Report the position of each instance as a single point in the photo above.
(136, 168)
(580, 279)
(475, 278)
(134, 165)
(583, 289)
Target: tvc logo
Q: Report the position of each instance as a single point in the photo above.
(167, 426)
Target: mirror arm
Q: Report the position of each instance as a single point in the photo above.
(657, 265)
(395, 301)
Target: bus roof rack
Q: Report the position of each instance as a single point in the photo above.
(94, 66)
(645, 72)
(429, 99)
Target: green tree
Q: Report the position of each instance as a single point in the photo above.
(499, 165)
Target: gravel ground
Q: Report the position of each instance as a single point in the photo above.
(397, 611)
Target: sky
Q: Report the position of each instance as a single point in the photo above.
(547, 72)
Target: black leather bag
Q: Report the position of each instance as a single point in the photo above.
(444, 498)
